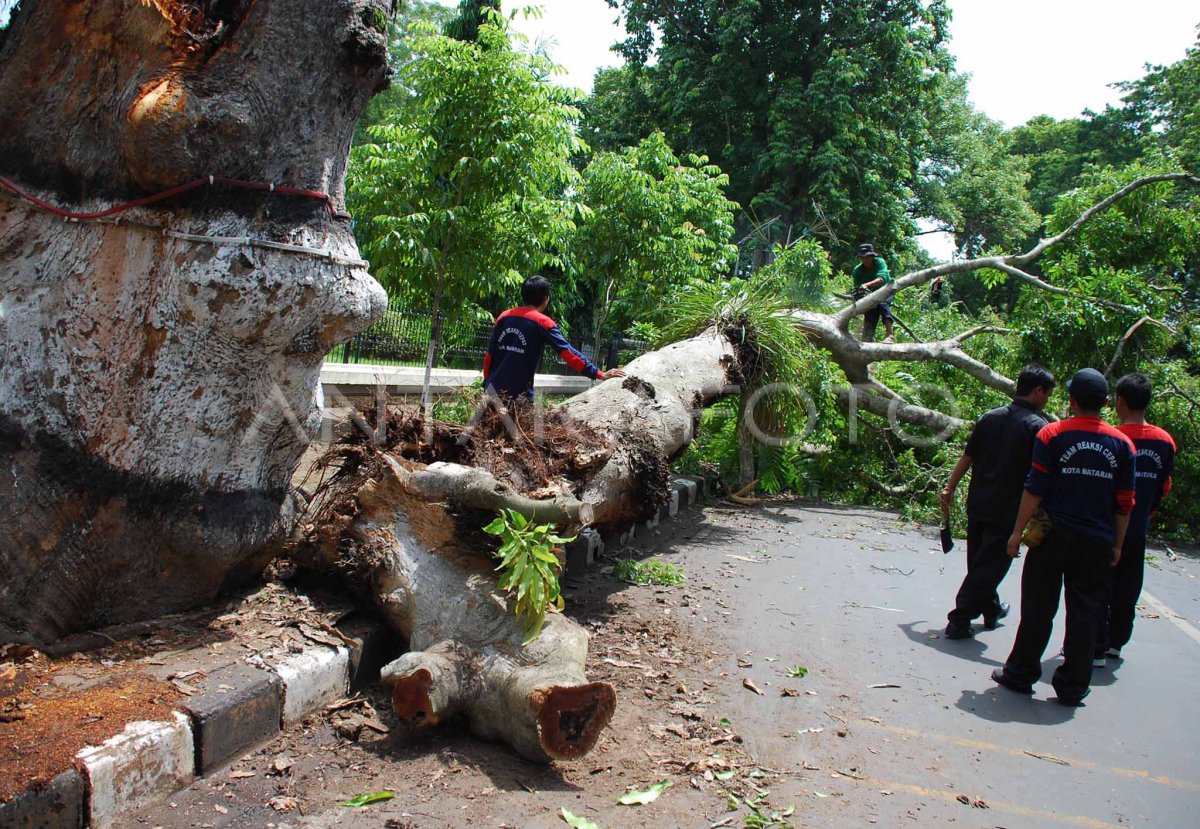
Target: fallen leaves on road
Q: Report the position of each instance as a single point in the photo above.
(369, 798)
(282, 764)
(648, 796)
(577, 822)
(283, 804)
(884, 685)
(748, 684)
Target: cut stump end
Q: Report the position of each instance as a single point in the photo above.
(411, 700)
(570, 718)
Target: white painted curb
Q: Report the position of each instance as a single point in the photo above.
(143, 765)
(311, 679)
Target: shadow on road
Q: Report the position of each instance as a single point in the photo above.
(969, 649)
(1003, 706)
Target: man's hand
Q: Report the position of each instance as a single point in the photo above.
(946, 499)
(1014, 545)
(614, 372)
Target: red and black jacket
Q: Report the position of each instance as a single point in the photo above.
(1155, 463)
(1084, 470)
(515, 352)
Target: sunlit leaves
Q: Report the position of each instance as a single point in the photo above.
(528, 567)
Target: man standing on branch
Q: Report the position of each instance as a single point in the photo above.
(998, 454)
(1083, 478)
(870, 273)
(1155, 462)
(515, 350)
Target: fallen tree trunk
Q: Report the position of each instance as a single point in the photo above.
(403, 529)
(466, 653)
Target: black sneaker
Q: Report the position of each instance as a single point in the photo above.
(1001, 678)
(990, 622)
(959, 632)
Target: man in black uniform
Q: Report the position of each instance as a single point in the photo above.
(1082, 477)
(998, 453)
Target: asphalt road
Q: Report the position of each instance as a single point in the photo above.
(866, 600)
(894, 725)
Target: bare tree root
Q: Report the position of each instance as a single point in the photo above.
(396, 524)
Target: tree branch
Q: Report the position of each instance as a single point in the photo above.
(1045, 244)
(1013, 263)
(897, 410)
(1112, 364)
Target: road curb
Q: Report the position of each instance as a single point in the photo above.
(143, 765)
(234, 708)
(686, 492)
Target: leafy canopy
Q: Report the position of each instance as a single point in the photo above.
(819, 112)
(461, 187)
(652, 221)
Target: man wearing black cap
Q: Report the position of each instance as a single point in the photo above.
(1082, 476)
(870, 273)
(997, 454)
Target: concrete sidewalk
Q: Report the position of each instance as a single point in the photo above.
(234, 694)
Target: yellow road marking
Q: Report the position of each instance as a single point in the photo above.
(981, 745)
(1167, 613)
(999, 805)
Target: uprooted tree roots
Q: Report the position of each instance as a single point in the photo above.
(402, 504)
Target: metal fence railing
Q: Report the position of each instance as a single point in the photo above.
(401, 338)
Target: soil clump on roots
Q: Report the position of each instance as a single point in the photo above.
(538, 452)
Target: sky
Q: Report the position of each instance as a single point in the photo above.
(1025, 57)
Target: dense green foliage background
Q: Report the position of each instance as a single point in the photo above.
(745, 147)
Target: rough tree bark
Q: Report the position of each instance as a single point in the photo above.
(159, 385)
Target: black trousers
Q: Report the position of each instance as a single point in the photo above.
(1115, 625)
(871, 318)
(987, 565)
(1081, 564)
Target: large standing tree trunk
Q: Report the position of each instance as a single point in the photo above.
(159, 376)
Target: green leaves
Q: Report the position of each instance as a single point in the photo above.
(655, 221)
(820, 112)
(460, 186)
(528, 567)
(653, 571)
(642, 798)
(577, 822)
(368, 799)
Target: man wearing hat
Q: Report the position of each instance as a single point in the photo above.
(1082, 477)
(870, 273)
